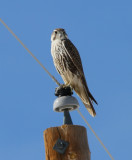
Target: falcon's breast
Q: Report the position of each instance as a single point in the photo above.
(63, 62)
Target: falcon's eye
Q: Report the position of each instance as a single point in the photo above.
(55, 32)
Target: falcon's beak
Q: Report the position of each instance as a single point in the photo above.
(62, 36)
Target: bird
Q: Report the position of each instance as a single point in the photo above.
(68, 63)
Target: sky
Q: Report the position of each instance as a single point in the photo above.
(102, 32)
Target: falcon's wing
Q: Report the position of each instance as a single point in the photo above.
(73, 55)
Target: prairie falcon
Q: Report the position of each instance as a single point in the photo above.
(68, 63)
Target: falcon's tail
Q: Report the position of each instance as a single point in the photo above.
(90, 109)
(83, 94)
(82, 90)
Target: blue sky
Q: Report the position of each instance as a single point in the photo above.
(102, 32)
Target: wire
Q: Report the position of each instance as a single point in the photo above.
(30, 52)
(56, 83)
(95, 133)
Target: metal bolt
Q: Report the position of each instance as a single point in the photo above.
(60, 146)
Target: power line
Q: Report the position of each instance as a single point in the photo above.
(30, 52)
(95, 134)
(56, 83)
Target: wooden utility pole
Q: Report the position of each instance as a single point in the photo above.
(76, 136)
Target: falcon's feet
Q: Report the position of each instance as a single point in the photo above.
(63, 90)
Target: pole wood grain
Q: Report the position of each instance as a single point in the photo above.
(76, 136)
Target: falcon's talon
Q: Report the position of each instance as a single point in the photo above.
(67, 85)
(63, 90)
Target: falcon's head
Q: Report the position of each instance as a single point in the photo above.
(59, 34)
